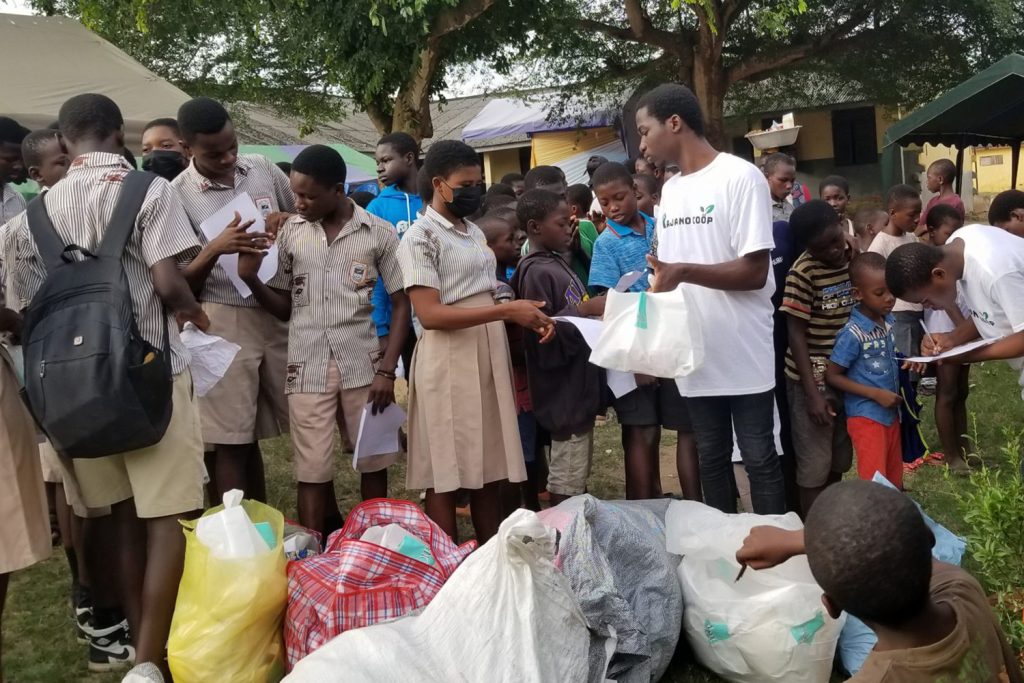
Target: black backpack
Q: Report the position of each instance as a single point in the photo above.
(94, 385)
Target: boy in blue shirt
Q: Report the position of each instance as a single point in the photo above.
(399, 204)
(865, 368)
(622, 248)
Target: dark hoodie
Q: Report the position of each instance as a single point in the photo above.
(567, 391)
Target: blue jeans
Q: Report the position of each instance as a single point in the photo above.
(714, 418)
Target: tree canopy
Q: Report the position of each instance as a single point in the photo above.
(313, 58)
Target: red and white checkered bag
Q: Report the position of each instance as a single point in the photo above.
(356, 583)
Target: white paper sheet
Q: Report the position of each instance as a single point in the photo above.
(211, 357)
(955, 351)
(215, 224)
(621, 383)
(378, 434)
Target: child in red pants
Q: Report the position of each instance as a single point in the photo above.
(864, 367)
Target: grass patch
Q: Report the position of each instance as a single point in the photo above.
(39, 644)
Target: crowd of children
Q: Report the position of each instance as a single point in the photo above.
(811, 308)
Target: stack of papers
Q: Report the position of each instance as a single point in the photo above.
(621, 383)
(214, 226)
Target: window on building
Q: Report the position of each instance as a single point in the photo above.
(992, 160)
(854, 139)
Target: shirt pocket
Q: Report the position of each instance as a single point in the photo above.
(877, 361)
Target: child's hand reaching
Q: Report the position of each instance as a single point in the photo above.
(917, 368)
(526, 313)
(592, 307)
(888, 399)
(769, 546)
(249, 264)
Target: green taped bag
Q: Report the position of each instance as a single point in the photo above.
(228, 618)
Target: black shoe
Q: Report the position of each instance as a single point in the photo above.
(83, 623)
(110, 649)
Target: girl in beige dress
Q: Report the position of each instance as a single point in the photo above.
(24, 520)
(463, 432)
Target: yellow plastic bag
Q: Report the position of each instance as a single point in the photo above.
(227, 622)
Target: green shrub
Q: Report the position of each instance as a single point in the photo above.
(991, 501)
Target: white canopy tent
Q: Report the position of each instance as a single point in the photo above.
(49, 59)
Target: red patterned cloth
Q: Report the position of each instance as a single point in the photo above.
(356, 583)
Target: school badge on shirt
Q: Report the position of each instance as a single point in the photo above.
(293, 378)
(300, 290)
(357, 272)
(265, 206)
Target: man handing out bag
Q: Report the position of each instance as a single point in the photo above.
(714, 236)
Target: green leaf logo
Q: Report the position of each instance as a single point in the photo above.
(708, 209)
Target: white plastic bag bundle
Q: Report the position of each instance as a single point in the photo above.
(506, 614)
(230, 534)
(651, 334)
(768, 626)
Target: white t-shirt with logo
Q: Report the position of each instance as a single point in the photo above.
(993, 282)
(718, 214)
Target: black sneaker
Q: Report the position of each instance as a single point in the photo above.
(83, 623)
(110, 649)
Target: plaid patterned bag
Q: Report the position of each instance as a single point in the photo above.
(356, 583)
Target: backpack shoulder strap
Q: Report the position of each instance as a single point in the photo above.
(133, 191)
(48, 242)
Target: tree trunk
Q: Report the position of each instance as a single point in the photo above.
(710, 83)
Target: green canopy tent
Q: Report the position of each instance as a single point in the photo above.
(361, 168)
(986, 109)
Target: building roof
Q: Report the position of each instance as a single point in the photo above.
(789, 92)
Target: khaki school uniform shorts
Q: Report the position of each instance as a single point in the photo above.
(63, 470)
(248, 403)
(313, 417)
(165, 478)
(569, 464)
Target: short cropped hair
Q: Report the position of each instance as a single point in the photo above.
(89, 115)
(774, 160)
(809, 220)
(865, 216)
(11, 132)
(834, 181)
(321, 163)
(362, 198)
(672, 99)
(870, 551)
(945, 168)
(610, 172)
(492, 225)
(447, 156)
(594, 162)
(652, 184)
(498, 194)
(403, 143)
(285, 166)
(901, 193)
(579, 195)
(33, 144)
(863, 263)
(910, 266)
(201, 116)
(165, 122)
(543, 175)
(940, 213)
(425, 185)
(536, 205)
(510, 178)
(1004, 204)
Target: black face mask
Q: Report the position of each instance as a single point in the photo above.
(166, 163)
(465, 200)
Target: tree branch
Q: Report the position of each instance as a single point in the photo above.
(835, 39)
(454, 18)
(730, 10)
(640, 30)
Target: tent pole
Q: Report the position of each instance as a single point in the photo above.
(1014, 163)
(960, 168)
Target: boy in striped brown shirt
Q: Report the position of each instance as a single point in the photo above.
(817, 300)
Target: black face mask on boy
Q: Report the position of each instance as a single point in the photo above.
(166, 163)
(465, 200)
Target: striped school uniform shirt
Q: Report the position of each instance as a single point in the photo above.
(433, 253)
(80, 207)
(331, 287)
(11, 204)
(254, 174)
(823, 297)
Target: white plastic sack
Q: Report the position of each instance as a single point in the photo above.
(506, 614)
(768, 626)
(230, 534)
(651, 334)
(211, 356)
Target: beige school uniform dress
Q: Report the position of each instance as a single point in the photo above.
(24, 520)
(463, 431)
(165, 478)
(332, 342)
(248, 403)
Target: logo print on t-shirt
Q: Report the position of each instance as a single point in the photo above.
(702, 218)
